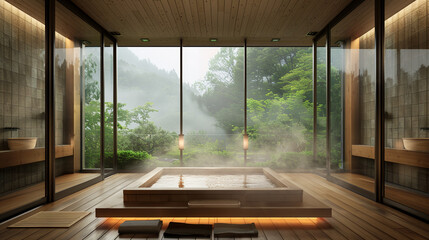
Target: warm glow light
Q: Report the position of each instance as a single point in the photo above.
(181, 142)
(245, 141)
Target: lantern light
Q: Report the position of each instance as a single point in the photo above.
(245, 141)
(181, 141)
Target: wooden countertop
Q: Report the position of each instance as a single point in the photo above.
(401, 156)
(10, 158)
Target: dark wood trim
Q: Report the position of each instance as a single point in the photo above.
(379, 100)
(346, 11)
(181, 98)
(102, 95)
(407, 210)
(115, 106)
(245, 98)
(90, 170)
(328, 100)
(19, 210)
(314, 101)
(320, 34)
(343, 113)
(77, 188)
(245, 86)
(85, 17)
(82, 107)
(351, 187)
(49, 100)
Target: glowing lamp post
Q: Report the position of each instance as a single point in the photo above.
(245, 141)
(181, 141)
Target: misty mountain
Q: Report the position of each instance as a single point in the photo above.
(140, 81)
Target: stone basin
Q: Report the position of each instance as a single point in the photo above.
(22, 143)
(416, 144)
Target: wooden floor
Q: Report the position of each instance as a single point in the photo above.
(354, 217)
(400, 195)
(37, 191)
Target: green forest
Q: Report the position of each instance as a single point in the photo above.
(279, 112)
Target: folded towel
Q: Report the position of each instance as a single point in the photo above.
(151, 227)
(183, 230)
(235, 230)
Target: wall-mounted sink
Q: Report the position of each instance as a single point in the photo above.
(21, 143)
(416, 144)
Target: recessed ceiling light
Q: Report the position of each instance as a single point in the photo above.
(85, 42)
(144, 39)
(311, 33)
(115, 33)
(339, 43)
(213, 39)
(275, 39)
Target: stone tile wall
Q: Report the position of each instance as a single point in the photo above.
(406, 89)
(22, 77)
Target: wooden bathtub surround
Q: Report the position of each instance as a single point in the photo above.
(144, 196)
(214, 204)
(400, 156)
(12, 158)
(284, 200)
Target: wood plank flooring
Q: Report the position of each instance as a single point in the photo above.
(354, 217)
(400, 195)
(37, 191)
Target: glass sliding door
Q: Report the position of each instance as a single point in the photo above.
(77, 62)
(353, 69)
(407, 106)
(108, 107)
(336, 89)
(22, 106)
(321, 104)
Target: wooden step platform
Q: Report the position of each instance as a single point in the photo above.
(309, 207)
(284, 199)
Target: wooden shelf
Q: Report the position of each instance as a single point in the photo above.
(20, 157)
(401, 156)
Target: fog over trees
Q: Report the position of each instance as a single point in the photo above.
(279, 106)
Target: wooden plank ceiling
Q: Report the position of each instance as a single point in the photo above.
(164, 22)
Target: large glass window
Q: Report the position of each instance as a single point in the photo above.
(336, 89)
(91, 94)
(280, 109)
(148, 107)
(22, 105)
(213, 106)
(77, 62)
(353, 67)
(407, 105)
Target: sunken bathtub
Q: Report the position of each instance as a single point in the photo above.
(215, 192)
